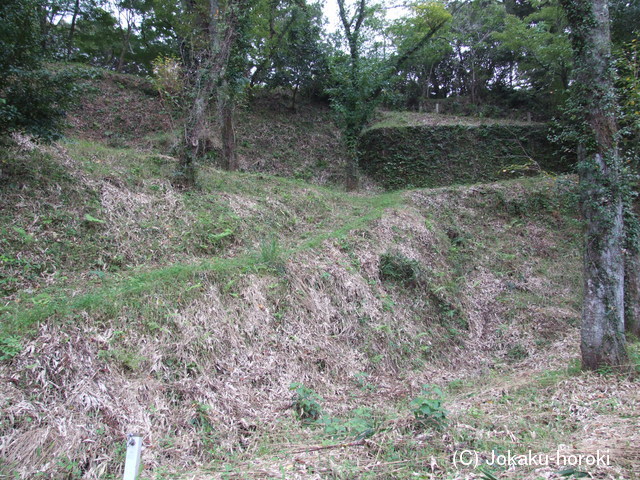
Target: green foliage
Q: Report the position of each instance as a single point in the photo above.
(486, 475)
(415, 82)
(90, 219)
(358, 75)
(10, 346)
(628, 88)
(19, 36)
(633, 350)
(625, 21)
(428, 409)
(271, 256)
(212, 236)
(573, 473)
(355, 83)
(517, 352)
(126, 359)
(395, 267)
(68, 468)
(361, 379)
(541, 48)
(360, 424)
(125, 35)
(36, 101)
(287, 46)
(306, 403)
(32, 99)
(168, 79)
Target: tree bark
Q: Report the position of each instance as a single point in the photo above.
(602, 333)
(72, 28)
(352, 182)
(221, 33)
(125, 46)
(600, 167)
(227, 129)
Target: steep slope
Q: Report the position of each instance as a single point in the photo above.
(259, 326)
(126, 111)
(187, 316)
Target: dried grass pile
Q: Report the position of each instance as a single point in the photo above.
(210, 378)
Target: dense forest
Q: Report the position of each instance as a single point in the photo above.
(307, 239)
(487, 58)
(490, 58)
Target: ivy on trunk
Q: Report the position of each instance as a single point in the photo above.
(602, 184)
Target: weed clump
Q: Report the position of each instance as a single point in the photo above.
(306, 403)
(397, 268)
(428, 409)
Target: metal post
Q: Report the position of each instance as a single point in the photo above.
(132, 463)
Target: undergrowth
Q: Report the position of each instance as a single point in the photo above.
(225, 296)
(83, 244)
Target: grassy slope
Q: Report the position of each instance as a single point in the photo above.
(186, 316)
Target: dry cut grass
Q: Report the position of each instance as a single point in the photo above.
(196, 347)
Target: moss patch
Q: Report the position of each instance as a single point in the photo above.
(419, 156)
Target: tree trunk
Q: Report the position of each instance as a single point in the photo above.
(229, 154)
(125, 46)
(600, 166)
(294, 96)
(192, 143)
(352, 180)
(221, 30)
(72, 28)
(602, 334)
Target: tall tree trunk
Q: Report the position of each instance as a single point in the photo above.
(125, 46)
(72, 28)
(602, 333)
(193, 139)
(221, 35)
(227, 130)
(294, 106)
(352, 181)
(203, 81)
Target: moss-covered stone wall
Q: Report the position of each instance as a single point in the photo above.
(432, 156)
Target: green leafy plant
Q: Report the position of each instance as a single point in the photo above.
(572, 472)
(361, 379)
(212, 235)
(9, 347)
(395, 267)
(306, 403)
(271, 256)
(428, 407)
(168, 78)
(361, 424)
(70, 469)
(33, 98)
(487, 475)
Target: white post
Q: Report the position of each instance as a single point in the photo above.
(132, 463)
